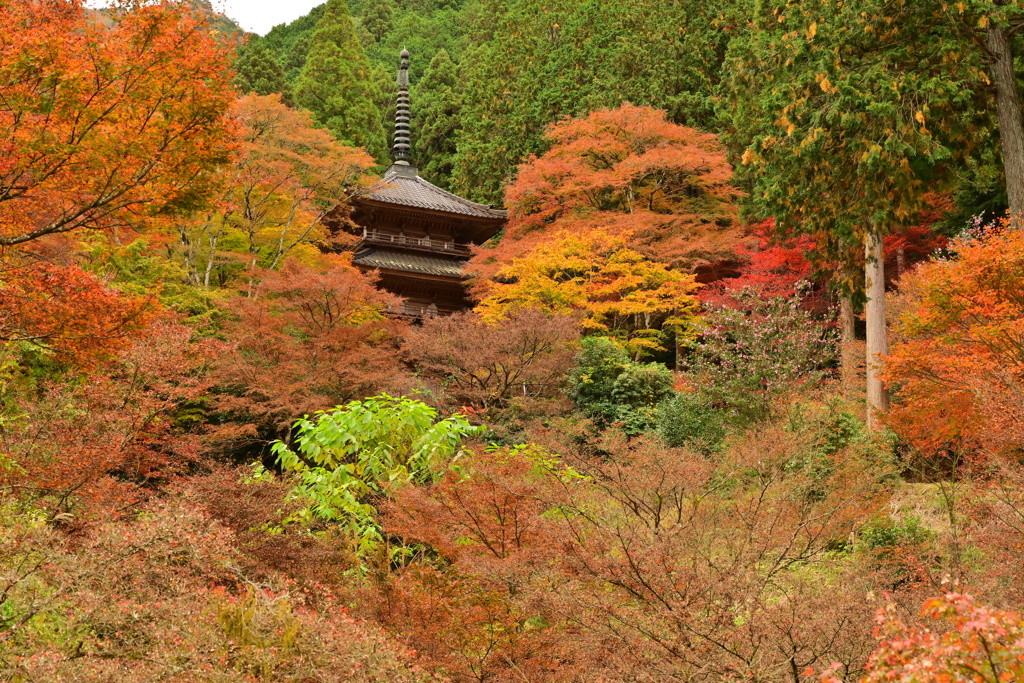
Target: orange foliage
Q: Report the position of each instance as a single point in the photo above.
(983, 645)
(633, 174)
(958, 364)
(69, 311)
(99, 124)
(111, 432)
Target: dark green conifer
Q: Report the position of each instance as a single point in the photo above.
(256, 71)
(337, 84)
(377, 20)
(436, 119)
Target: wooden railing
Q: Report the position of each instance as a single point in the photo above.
(428, 243)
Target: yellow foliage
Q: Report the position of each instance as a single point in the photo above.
(598, 275)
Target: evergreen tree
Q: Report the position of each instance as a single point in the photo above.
(377, 20)
(842, 118)
(290, 42)
(336, 83)
(436, 121)
(537, 61)
(256, 71)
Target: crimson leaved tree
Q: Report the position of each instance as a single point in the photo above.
(628, 172)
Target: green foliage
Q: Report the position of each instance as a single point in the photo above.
(642, 385)
(600, 362)
(290, 42)
(437, 119)
(257, 71)
(843, 115)
(136, 268)
(377, 19)
(338, 85)
(608, 387)
(884, 534)
(349, 457)
(536, 61)
(690, 421)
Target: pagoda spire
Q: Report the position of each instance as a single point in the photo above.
(402, 150)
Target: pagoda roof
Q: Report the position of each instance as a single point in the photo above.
(394, 259)
(402, 186)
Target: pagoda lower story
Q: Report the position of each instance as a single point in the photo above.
(429, 285)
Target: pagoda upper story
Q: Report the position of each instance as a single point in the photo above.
(417, 236)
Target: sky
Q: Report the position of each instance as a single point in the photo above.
(259, 16)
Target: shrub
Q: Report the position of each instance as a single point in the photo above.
(518, 362)
(688, 420)
(349, 457)
(608, 387)
(157, 594)
(749, 355)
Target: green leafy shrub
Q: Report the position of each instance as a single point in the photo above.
(608, 387)
(689, 420)
(884, 534)
(347, 458)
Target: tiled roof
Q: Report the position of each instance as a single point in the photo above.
(392, 259)
(404, 187)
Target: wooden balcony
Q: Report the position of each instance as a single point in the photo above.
(432, 244)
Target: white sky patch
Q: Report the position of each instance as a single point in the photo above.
(257, 16)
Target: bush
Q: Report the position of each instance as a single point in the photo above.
(608, 387)
(687, 420)
(884, 534)
(748, 356)
(349, 457)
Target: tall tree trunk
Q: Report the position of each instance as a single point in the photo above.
(1011, 128)
(847, 342)
(877, 342)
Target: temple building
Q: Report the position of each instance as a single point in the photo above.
(416, 235)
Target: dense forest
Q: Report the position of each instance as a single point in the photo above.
(740, 395)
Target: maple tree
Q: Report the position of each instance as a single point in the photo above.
(103, 436)
(631, 173)
(311, 338)
(775, 266)
(67, 311)
(557, 554)
(598, 275)
(532, 63)
(984, 645)
(957, 362)
(518, 362)
(100, 125)
(165, 591)
(286, 175)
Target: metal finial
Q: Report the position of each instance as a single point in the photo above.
(403, 147)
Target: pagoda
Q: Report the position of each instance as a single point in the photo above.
(415, 235)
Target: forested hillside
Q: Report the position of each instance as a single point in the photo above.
(736, 393)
